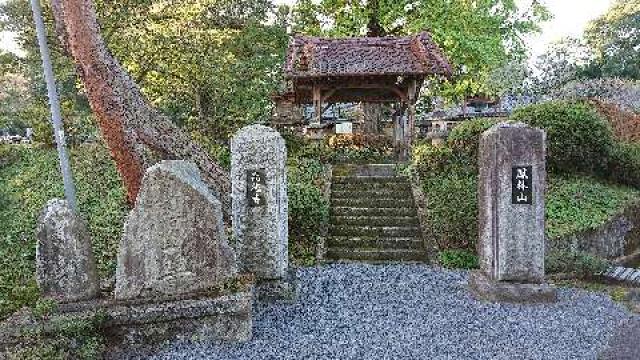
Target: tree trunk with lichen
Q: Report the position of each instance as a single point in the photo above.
(129, 124)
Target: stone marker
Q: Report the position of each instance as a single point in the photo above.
(511, 190)
(174, 240)
(65, 266)
(260, 209)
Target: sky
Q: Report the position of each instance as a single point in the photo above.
(570, 19)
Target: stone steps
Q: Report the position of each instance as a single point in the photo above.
(373, 218)
(384, 231)
(377, 255)
(372, 194)
(372, 211)
(623, 274)
(373, 186)
(398, 243)
(373, 202)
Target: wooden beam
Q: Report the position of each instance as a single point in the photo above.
(317, 105)
(412, 95)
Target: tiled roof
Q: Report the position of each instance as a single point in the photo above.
(321, 57)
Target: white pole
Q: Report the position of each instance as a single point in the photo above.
(58, 130)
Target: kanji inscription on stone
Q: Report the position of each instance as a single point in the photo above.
(256, 188)
(522, 185)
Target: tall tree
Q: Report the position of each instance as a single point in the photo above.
(615, 40)
(129, 123)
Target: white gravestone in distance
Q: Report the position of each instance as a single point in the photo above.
(260, 209)
(511, 215)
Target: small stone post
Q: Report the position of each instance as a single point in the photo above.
(260, 209)
(65, 266)
(511, 190)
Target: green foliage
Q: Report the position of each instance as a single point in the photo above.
(464, 138)
(44, 308)
(575, 204)
(308, 207)
(614, 39)
(578, 138)
(26, 184)
(458, 259)
(452, 209)
(624, 164)
(577, 264)
(67, 338)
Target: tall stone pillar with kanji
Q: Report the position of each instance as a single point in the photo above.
(511, 242)
(260, 209)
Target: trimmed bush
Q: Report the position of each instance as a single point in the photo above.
(464, 138)
(624, 164)
(579, 140)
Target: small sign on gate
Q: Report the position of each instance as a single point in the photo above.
(522, 185)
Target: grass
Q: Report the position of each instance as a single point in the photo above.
(577, 203)
(29, 177)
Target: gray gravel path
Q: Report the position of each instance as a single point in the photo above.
(360, 311)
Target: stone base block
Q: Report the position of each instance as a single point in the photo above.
(138, 324)
(285, 289)
(498, 291)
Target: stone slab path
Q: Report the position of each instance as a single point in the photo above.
(411, 311)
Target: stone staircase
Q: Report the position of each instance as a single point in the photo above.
(373, 216)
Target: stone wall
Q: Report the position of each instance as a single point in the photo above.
(617, 237)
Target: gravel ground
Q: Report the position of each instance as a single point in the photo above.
(360, 311)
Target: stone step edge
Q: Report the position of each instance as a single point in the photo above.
(375, 243)
(620, 273)
(366, 254)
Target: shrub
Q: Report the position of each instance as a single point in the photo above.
(307, 210)
(579, 264)
(578, 138)
(452, 209)
(458, 259)
(431, 160)
(624, 164)
(464, 138)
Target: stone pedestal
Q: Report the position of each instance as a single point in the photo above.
(511, 215)
(260, 208)
(65, 266)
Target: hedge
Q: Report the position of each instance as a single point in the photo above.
(579, 140)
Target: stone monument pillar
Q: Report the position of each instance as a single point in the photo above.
(260, 209)
(65, 266)
(511, 190)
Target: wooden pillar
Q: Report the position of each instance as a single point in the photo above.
(317, 105)
(400, 133)
(412, 98)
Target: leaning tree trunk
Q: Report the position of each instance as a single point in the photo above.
(126, 119)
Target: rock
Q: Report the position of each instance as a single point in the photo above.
(174, 240)
(65, 266)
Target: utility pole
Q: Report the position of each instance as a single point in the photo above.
(56, 116)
